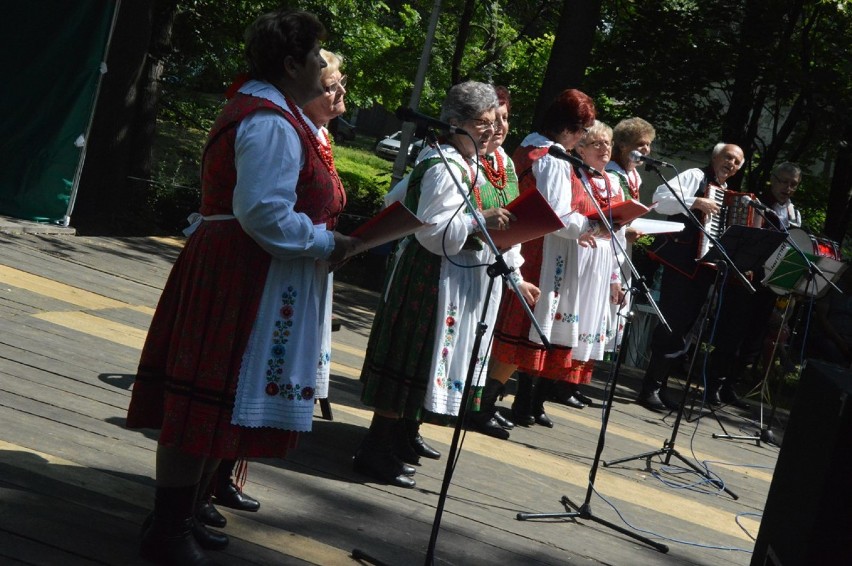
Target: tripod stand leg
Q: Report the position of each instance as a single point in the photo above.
(699, 471)
(643, 456)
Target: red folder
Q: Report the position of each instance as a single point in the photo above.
(392, 223)
(533, 219)
(622, 212)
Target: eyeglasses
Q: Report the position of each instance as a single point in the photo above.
(600, 144)
(792, 183)
(335, 86)
(483, 124)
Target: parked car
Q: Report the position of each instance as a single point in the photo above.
(342, 130)
(389, 147)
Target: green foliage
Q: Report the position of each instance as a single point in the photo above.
(176, 187)
(673, 62)
(366, 178)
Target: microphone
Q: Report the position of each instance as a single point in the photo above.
(424, 121)
(637, 157)
(572, 159)
(756, 204)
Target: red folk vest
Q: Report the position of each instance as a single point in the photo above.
(319, 193)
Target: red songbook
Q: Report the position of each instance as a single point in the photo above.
(622, 212)
(533, 219)
(392, 223)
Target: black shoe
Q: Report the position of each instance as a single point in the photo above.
(489, 427)
(503, 421)
(582, 398)
(522, 419)
(571, 401)
(713, 398)
(402, 445)
(651, 401)
(424, 449)
(167, 533)
(730, 397)
(383, 466)
(209, 515)
(229, 495)
(544, 420)
(178, 546)
(207, 539)
(670, 404)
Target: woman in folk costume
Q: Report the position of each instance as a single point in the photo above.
(422, 336)
(500, 172)
(549, 262)
(321, 110)
(599, 272)
(629, 135)
(229, 366)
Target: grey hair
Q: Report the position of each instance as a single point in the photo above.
(717, 149)
(468, 100)
(787, 167)
(598, 129)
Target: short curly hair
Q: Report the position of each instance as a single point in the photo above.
(468, 100)
(629, 131)
(274, 36)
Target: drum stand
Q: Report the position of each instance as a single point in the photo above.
(810, 271)
(764, 432)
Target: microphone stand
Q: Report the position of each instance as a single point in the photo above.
(668, 449)
(498, 269)
(584, 510)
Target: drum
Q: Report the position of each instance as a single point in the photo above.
(786, 270)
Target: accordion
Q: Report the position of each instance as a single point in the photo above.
(733, 209)
(682, 251)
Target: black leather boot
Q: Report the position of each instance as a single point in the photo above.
(420, 447)
(402, 445)
(169, 539)
(483, 420)
(653, 395)
(542, 391)
(522, 407)
(209, 515)
(227, 494)
(375, 457)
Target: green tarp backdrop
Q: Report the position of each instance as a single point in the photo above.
(51, 67)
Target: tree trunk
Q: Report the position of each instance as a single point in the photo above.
(839, 210)
(572, 48)
(461, 40)
(110, 199)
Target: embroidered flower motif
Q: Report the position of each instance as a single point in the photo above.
(278, 351)
(449, 340)
(566, 317)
